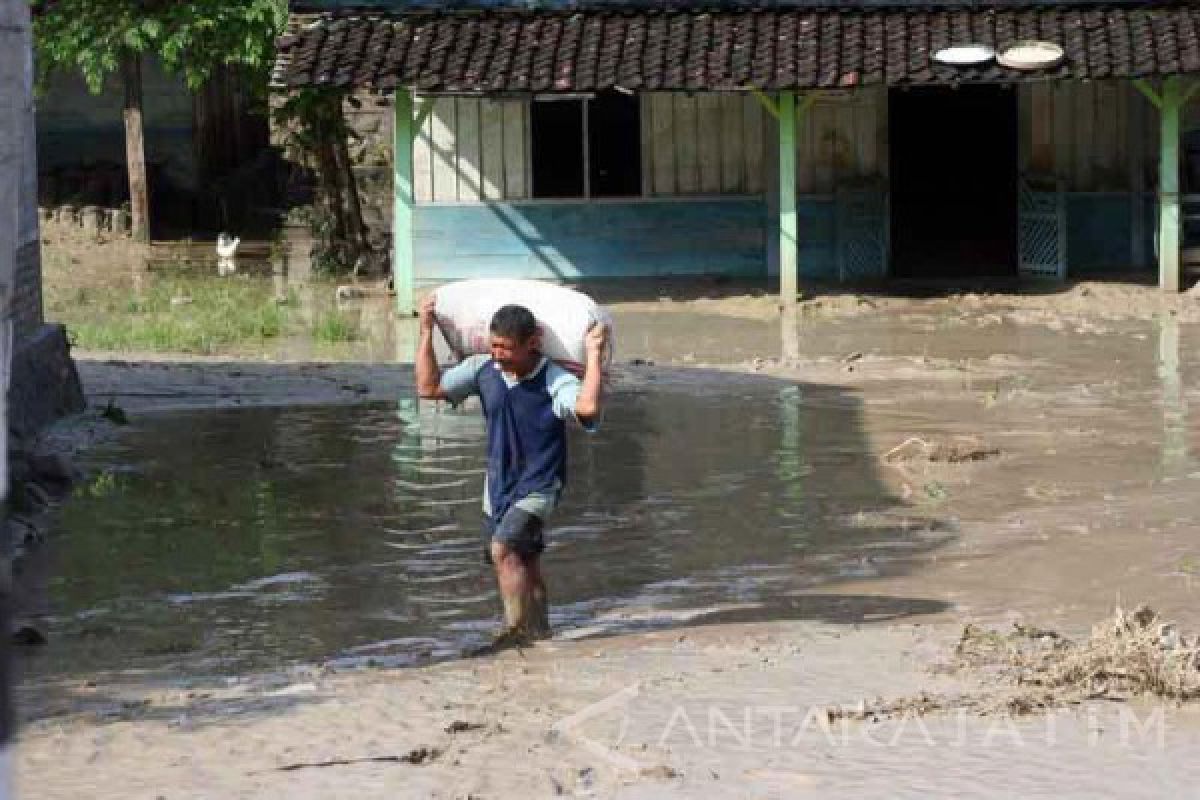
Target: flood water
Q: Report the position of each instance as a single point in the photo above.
(221, 542)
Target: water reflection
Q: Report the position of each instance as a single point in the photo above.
(1176, 459)
(255, 538)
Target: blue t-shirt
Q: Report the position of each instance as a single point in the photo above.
(462, 381)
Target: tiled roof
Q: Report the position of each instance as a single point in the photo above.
(555, 51)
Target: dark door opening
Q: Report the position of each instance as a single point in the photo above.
(557, 133)
(953, 162)
(615, 145)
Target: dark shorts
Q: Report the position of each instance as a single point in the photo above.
(518, 530)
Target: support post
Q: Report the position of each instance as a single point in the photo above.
(1168, 187)
(789, 259)
(403, 203)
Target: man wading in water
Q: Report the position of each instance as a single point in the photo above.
(527, 401)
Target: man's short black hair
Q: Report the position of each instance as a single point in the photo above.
(514, 322)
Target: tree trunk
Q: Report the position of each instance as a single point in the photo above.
(358, 228)
(135, 146)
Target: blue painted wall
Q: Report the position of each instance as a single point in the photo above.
(721, 236)
(577, 241)
(569, 241)
(1100, 234)
(572, 241)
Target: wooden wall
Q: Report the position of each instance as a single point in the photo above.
(1094, 136)
(472, 150)
(842, 140)
(705, 143)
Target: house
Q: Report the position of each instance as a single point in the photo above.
(822, 139)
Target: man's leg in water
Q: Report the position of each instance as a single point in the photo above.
(539, 606)
(515, 548)
(516, 585)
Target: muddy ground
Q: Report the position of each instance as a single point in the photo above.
(1045, 440)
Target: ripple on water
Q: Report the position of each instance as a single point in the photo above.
(687, 500)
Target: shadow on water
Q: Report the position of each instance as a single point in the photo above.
(221, 543)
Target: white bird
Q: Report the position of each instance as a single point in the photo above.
(226, 248)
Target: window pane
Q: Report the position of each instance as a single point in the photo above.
(557, 144)
(615, 145)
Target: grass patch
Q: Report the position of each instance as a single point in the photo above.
(333, 327)
(187, 316)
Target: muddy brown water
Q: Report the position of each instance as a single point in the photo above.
(219, 542)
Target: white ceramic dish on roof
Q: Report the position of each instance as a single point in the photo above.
(964, 55)
(1030, 55)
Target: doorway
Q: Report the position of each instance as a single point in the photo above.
(953, 156)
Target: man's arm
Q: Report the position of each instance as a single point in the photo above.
(429, 374)
(588, 405)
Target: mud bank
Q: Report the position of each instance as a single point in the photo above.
(711, 712)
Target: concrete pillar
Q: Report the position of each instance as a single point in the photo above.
(15, 112)
(403, 205)
(789, 258)
(1168, 188)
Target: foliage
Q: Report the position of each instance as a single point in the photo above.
(316, 133)
(334, 327)
(190, 37)
(190, 316)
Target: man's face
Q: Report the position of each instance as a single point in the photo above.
(513, 355)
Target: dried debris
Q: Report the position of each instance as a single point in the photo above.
(959, 450)
(1029, 669)
(1130, 654)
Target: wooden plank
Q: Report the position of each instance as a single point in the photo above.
(469, 151)
(789, 262)
(1105, 120)
(403, 266)
(515, 186)
(866, 153)
(824, 147)
(754, 135)
(1063, 169)
(732, 144)
(491, 123)
(445, 170)
(687, 166)
(1084, 134)
(1137, 176)
(423, 160)
(1120, 122)
(663, 143)
(845, 150)
(708, 141)
(806, 153)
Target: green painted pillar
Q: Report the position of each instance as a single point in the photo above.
(1168, 187)
(789, 259)
(403, 203)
